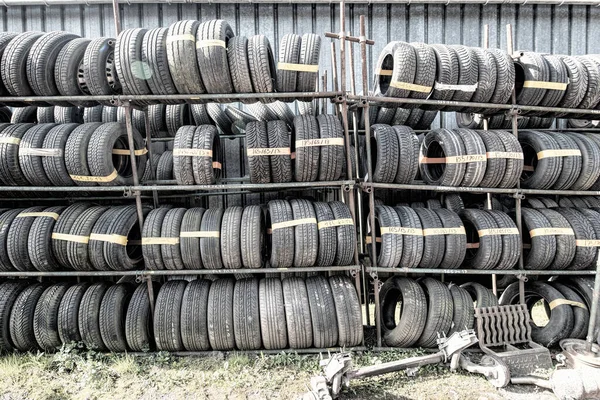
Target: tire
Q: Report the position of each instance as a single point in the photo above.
(408, 153)
(194, 308)
(89, 316)
(584, 230)
(68, 114)
(530, 67)
(212, 59)
(280, 245)
(413, 312)
(10, 171)
(16, 242)
(231, 237)
(13, 65)
(259, 166)
(496, 167)
(153, 223)
(514, 166)
(277, 137)
(182, 164)
(446, 73)
(113, 310)
(239, 67)
(190, 246)
(26, 114)
(578, 83)
(468, 73)
(154, 56)
(385, 153)
(307, 158)
(327, 236)
(306, 235)
(482, 296)
(67, 70)
(246, 314)
(181, 55)
(571, 165)
(581, 314)
(99, 70)
(78, 251)
(561, 318)
(9, 292)
(210, 247)
(171, 228)
(442, 143)
(55, 167)
(474, 171)
(412, 245)
(487, 76)
(547, 170)
(346, 234)
(273, 325)
(68, 313)
(322, 311)
(164, 167)
(119, 256)
(176, 116)
(543, 248)
(220, 315)
(511, 243)
(39, 242)
(592, 95)
(5, 39)
(138, 319)
(167, 316)
(262, 65)
(439, 312)
(309, 55)
(489, 252)
(252, 235)
(22, 317)
(297, 312)
(206, 170)
(389, 251)
(590, 159)
(31, 165)
(400, 59)
(433, 245)
(456, 245)
(464, 312)
(565, 244)
(6, 221)
(41, 63)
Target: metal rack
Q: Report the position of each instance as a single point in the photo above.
(223, 188)
(369, 187)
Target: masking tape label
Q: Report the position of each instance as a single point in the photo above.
(444, 231)
(192, 152)
(545, 85)
(110, 238)
(410, 86)
(587, 243)
(460, 88)
(160, 240)
(294, 222)
(498, 231)
(385, 72)
(559, 302)
(335, 222)
(297, 67)
(277, 151)
(200, 234)
(369, 240)
(454, 159)
(217, 165)
(10, 140)
(82, 178)
(320, 142)
(505, 154)
(558, 153)
(210, 43)
(175, 38)
(30, 151)
(38, 214)
(126, 152)
(400, 230)
(71, 238)
(551, 232)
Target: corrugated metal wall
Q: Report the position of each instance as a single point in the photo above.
(557, 29)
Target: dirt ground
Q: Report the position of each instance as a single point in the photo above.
(74, 374)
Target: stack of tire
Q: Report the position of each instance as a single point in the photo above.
(80, 237)
(295, 233)
(197, 155)
(67, 154)
(563, 201)
(429, 309)
(441, 238)
(199, 315)
(47, 115)
(441, 72)
(318, 148)
(415, 118)
(561, 161)
(566, 302)
(561, 238)
(475, 121)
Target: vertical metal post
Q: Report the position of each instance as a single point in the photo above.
(515, 130)
(591, 338)
(150, 152)
(334, 74)
(117, 16)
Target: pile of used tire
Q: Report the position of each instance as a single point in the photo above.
(441, 238)
(295, 233)
(566, 303)
(578, 202)
(471, 74)
(200, 315)
(186, 57)
(68, 154)
(560, 238)
(429, 308)
(317, 145)
(475, 121)
(415, 118)
(47, 115)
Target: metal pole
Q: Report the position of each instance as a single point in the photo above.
(116, 15)
(591, 338)
(150, 152)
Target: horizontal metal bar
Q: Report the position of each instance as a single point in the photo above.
(179, 272)
(476, 271)
(163, 98)
(149, 188)
(257, 352)
(462, 189)
(517, 107)
(327, 2)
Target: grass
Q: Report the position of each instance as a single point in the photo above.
(76, 374)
